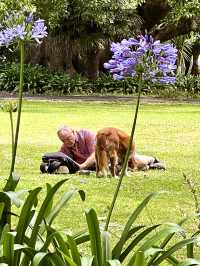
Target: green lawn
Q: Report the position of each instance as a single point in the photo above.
(168, 131)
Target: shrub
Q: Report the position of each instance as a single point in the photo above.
(39, 80)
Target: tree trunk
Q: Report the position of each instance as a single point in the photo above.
(92, 63)
(196, 60)
(183, 26)
(55, 52)
(152, 12)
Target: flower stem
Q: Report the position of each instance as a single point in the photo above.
(125, 160)
(12, 130)
(9, 184)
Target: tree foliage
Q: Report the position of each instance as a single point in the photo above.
(186, 8)
(79, 17)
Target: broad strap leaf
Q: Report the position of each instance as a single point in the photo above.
(174, 248)
(189, 262)
(139, 259)
(8, 247)
(74, 250)
(40, 217)
(86, 261)
(136, 240)
(95, 236)
(106, 247)
(131, 220)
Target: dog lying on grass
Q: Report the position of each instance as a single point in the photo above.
(111, 147)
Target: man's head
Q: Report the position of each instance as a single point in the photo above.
(67, 136)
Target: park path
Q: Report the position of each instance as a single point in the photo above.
(93, 98)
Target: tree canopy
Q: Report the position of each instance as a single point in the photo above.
(91, 24)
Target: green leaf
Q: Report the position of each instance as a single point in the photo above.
(47, 242)
(56, 259)
(53, 234)
(136, 240)
(62, 244)
(65, 198)
(16, 197)
(173, 228)
(151, 251)
(39, 218)
(39, 257)
(6, 212)
(5, 230)
(114, 263)
(48, 210)
(165, 242)
(42, 210)
(152, 241)
(68, 259)
(189, 262)
(8, 247)
(190, 250)
(130, 234)
(30, 252)
(81, 237)
(139, 259)
(95, 236)
(106, 247)
(86, 261)
(174, 248)
(2, 205)
(26, 214)
(12, 182)
(196, 233)
(74, 251)
(24, 220)
(117, 251)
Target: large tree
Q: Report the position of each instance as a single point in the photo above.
(86, 27)
(80, 30)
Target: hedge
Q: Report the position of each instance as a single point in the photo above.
(39, 80)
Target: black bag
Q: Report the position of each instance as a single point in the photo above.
(53, 160)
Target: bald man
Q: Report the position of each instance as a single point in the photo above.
(79, 145)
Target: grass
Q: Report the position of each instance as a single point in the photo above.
(169, 132)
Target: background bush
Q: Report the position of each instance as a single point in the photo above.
(39, 80)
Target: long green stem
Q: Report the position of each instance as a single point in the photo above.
(125, 161)
(12, 130)
(9, 184)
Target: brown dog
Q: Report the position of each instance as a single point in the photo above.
(111, 147)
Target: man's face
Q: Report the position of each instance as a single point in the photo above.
(67, 137)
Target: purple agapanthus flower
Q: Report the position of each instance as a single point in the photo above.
(39, 30)
(143, 55)
(17, 27)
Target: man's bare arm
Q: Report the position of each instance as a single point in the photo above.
(88, 163)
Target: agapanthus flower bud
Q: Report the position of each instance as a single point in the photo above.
(10, 106)
(29, 18)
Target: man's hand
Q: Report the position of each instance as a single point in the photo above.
(90, 162)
